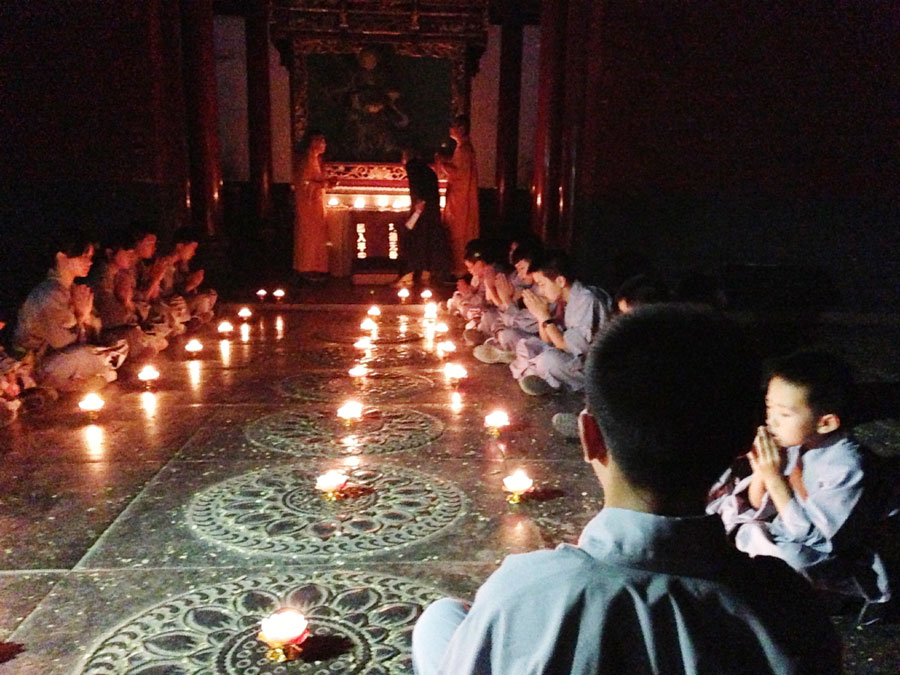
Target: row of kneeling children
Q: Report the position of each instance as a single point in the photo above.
(99, 307)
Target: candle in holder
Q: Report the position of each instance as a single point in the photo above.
(446, 346)
(374, 310)
(92, 404)
(368, 324)
(351, 410)
(278, 294)
(517, 484)
(148, 375)
(245, 313)
(441, 328)
(358, 371)
(283, 632)
(456, 401)
(431, 310)
(403, 294)
(331, 483)
(363, 343)
(454, 372)
(426, 294)
(261, 294)
(496, 421)
(226, 328)
(193, 347)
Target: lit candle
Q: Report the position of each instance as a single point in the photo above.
(374, 310)
(278, 294)
(518, 483)
(441, 328)
(225, 327)
(331, 482)
(456, 401)
(431, 310)
(403, 294)
(261, 294)
(283, 632)
(363, 343)
(383, 201)
(496, 421)
(359, 203)
(333, 201)
(358, 371)
(193, 347)
(454, 372)
(368, 324)
(398, 204)
(446, 346)
(148, 376)
(245, 313)
(352, 462)
(426, 294)
(351, 410)
(92, 404)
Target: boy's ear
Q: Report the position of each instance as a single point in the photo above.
(593, 444)
(827, 423)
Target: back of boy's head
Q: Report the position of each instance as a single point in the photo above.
(186, 235)
(827, 379)
(674, 390)
(552, 264)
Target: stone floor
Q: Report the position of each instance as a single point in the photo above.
(154, 539)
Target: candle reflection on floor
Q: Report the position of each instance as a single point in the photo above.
(93, 438)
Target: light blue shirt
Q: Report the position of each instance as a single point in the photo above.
(643, 593)
(586, 313)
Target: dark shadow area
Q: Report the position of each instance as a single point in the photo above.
(324, 647)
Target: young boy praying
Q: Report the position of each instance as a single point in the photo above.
(653, 585)
(813, 497)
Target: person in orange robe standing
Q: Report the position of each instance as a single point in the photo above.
(461, 211)
(310, 228)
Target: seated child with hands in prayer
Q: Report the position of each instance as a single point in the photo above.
(813, 497)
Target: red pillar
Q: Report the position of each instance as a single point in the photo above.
(202, 113)
(545, 186)
(508, 116)
(259, 119)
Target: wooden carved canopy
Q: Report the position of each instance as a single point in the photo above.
(455, 30)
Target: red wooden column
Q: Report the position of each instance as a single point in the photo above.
(202, 113)
(545, 187)
(573, 119)
(259, 117)
(508, 116)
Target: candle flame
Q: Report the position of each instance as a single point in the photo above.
(426, 294)
(358, 371)
(363, 343)
(441, 328)
(278, 293)
(262, 293)
(245, 313)
(403, 293)
(91, 403)
(225, 327)
(496, 419)
(368, 324)
(518, 482)
(455, 371)
(350, 410)
(193, 346)
(374, 310)
(284, 627)
(331, 481)
(148, 373)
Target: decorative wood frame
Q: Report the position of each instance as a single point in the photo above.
(455, 30)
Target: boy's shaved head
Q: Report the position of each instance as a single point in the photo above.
(674, 391)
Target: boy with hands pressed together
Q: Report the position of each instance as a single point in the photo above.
(813, 497)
